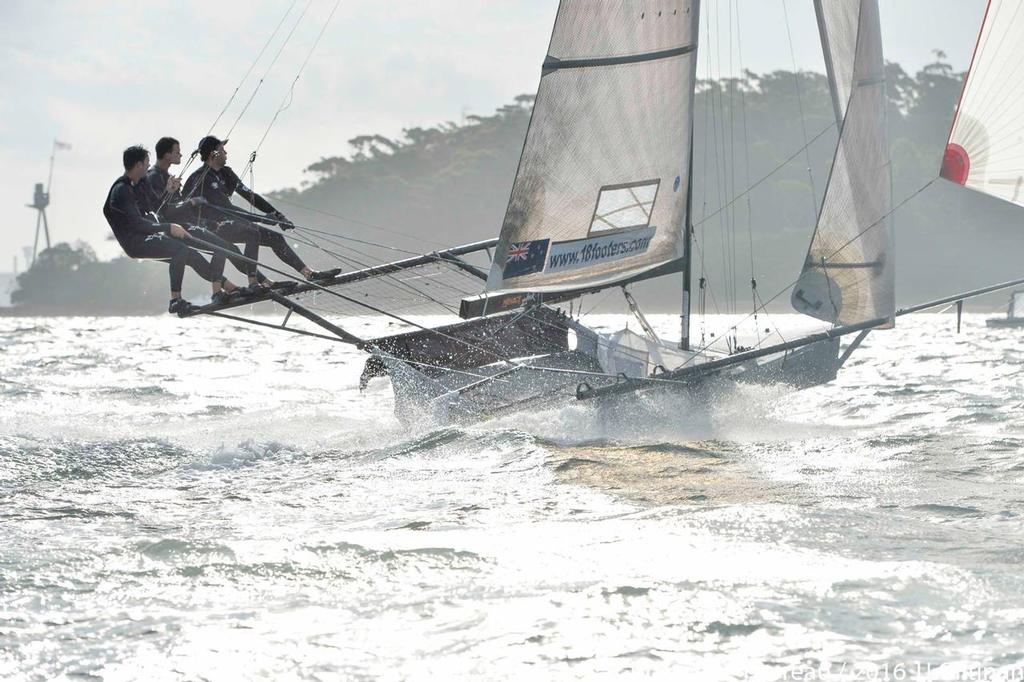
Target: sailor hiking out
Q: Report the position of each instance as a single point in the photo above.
(160, 195)
(142, 237)
(215, 182)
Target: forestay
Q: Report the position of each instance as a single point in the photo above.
(601, 191)
(848, 273)
(984, 150)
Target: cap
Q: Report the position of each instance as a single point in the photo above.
(207, 145)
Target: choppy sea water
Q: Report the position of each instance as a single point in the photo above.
(190, 500)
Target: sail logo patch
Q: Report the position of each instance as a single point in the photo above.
(584, 253)
(526, 258)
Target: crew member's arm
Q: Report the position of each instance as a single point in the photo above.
(255, 199)
(124, 203)
(157, 185)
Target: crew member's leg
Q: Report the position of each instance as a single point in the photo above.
(242, 232)
(279, 245)
(239, 231)
(277, 242)
(212, 271)
(204, 236)
(178, 255)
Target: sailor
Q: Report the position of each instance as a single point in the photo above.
(216, 182)
(142, 237)
(165, 189)
(160, 194)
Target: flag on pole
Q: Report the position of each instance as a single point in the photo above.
(57, 144)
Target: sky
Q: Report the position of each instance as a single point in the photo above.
(101, 76)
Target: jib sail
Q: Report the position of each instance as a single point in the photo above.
(848, 274)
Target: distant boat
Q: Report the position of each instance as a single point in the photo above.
(1013, 318)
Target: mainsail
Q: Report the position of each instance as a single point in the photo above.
(601, 191)
(848, 273)
(984, 151)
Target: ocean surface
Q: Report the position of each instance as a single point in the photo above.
(192, 500)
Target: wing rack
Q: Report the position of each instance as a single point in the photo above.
(426, 283)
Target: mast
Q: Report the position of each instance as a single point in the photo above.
(684, 337)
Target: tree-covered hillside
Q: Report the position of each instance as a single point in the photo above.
(449, 184)
(775, 132)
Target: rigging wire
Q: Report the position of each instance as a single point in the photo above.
(787, 287)
(208, 246)
(732, 156)
(769, 174)
(283, 106)
(348, 259)
(704, 292)
(803, 119)
(539, 321)
(390, 277)
(266, 73)
(746, 154)
(257, 217)
(361, 223)
(726, 143)
(251, 67)
(287, 100)
(721, 173)
(705, 287)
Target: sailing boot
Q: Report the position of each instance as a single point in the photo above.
(179, 307)
(323, 275)
(221, 297)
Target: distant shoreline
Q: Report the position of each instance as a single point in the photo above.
(25, 311)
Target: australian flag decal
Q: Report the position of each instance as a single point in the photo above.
(526, 258)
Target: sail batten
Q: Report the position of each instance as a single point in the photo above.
(554, 63)
(848, 274)
(600, 192)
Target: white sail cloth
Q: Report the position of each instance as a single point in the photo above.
(838, 26)
(848, 275)
(984, 151)
(600, 195)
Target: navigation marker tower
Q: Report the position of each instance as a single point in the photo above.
(41, 199)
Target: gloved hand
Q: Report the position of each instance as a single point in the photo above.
(195, 202)
(282, 220)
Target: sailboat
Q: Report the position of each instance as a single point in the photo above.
(1014, 312)
(602, 199)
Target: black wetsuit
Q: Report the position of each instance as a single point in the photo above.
(154, 186)
(141, 237)
(217, 186)
(151, 191)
